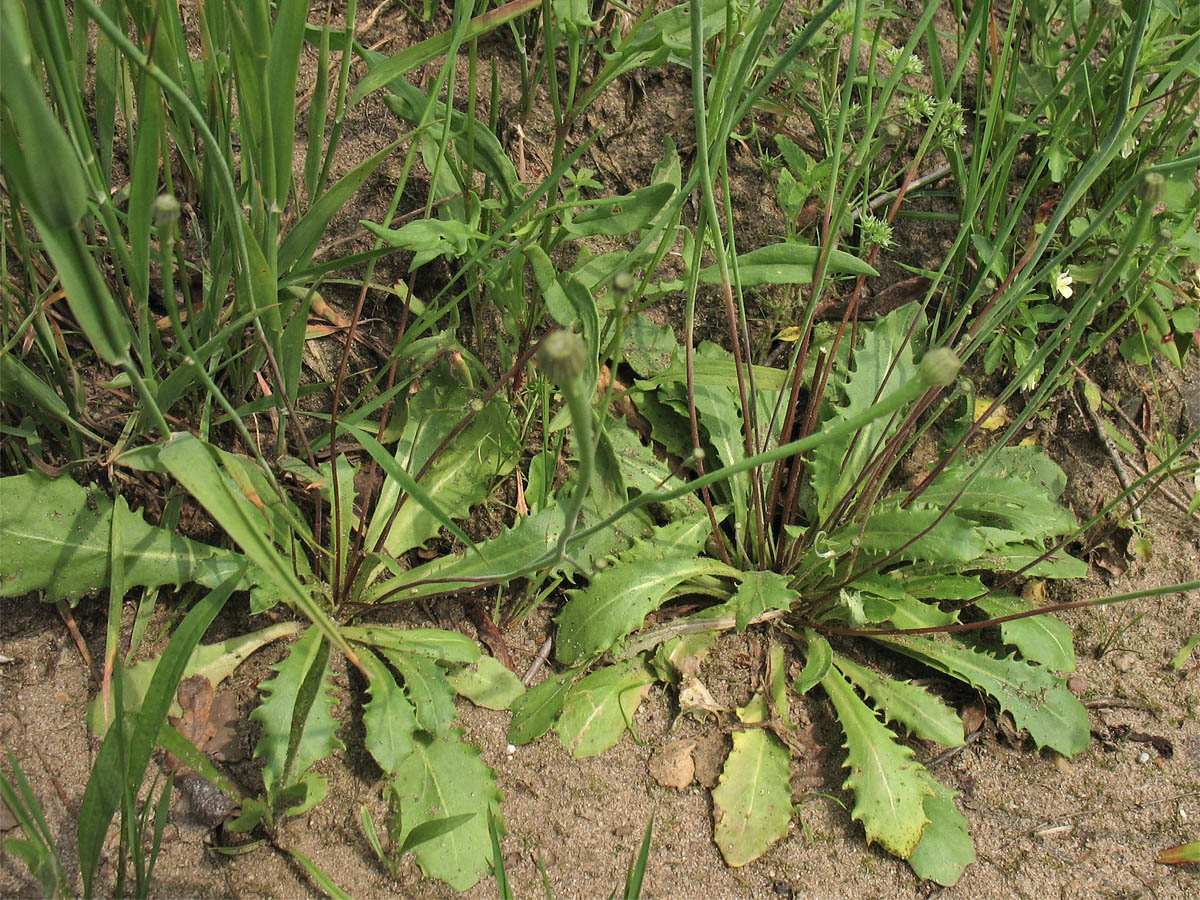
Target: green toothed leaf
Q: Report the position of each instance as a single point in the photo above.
(889, 790)
(1037, 701)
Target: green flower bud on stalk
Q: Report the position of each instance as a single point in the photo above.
(940, 367)
(1151, 188)
(623, 283)
(166, 211)
(562, 356)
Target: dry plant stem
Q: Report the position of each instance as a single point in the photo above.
(1098, 426)
(916, 184)
(538, 661)
(648, 640)
(999, 620)
(1174, 498)
(69, 620)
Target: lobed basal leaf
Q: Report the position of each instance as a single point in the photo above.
(889, 785)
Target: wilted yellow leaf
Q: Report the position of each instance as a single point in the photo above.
(999, 417)
(791, 334)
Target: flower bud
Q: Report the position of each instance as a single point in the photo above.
(165, 211)
(1151, 188)
(940, 367)
(562, 356)
(623, 282)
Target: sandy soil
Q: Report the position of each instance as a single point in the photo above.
(1043, 826)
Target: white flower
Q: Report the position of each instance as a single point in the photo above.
(1063, 282)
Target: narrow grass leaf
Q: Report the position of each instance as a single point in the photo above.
(417, 55)
(109, 779)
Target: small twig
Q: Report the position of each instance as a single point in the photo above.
(1110, 448)
(65, 611)
(1114, 703)
(655, 636)
(888, 196)
(1166, 492)
(538, 661)
(954, 751)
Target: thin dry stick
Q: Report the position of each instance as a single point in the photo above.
(1134, 507)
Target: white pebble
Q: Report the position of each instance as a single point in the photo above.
(510, 749)
(1143, 757)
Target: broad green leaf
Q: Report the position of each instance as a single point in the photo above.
(945, 849)
(56, 538)
(388, 719)
(889, 790)
(426, 687)
(645, 472)
(1013, 495)
(784, 263)
(428, 238)
(535, 710)
(1042, 639)
(444, 777)
(1037, 701)
(297, 719)
(758, 592)
(912, 706)
(648, 348)
(618, 599)
(622, 215)
(435, 643)
(195, 467)
(471, 137)
(532, 537)
(487, 682)
(599, 707)
(752, 802)
(883, 363)
(818, 657)
(924, 534)
(459, 478)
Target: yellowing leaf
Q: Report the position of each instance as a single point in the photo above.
(998, 418)
(791, 334)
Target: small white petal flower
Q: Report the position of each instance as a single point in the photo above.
(1063, 282)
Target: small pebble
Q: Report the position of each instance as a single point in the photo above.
(1124, 662)
(1143, 757)
(1076, 684)
(510, 749)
